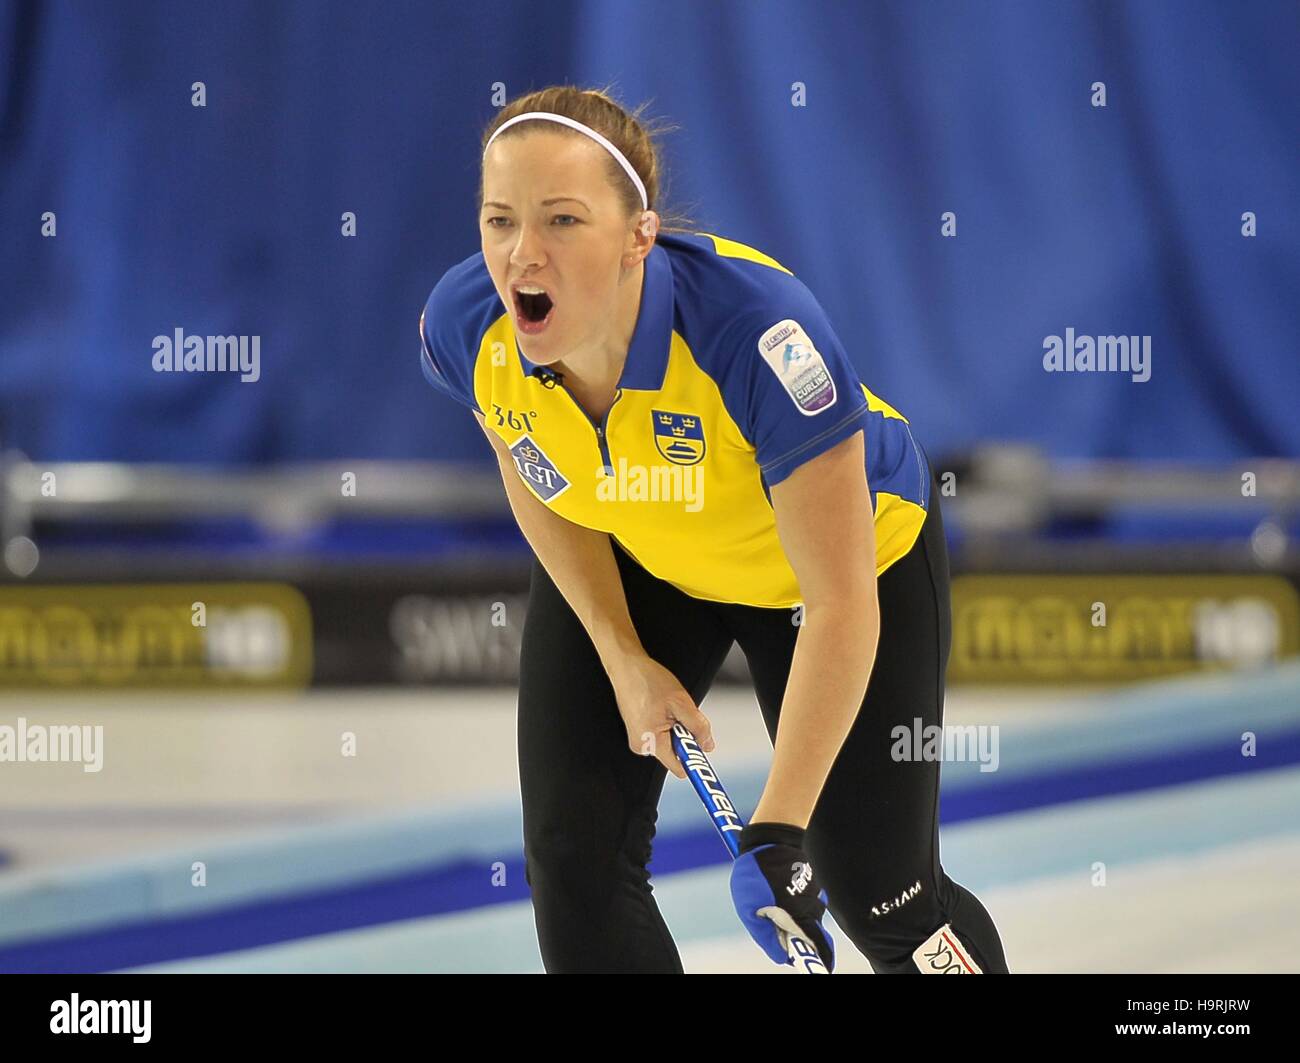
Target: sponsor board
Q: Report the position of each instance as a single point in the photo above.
(225, 635)
(1116, 628)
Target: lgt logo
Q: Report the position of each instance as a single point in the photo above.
(540, 472)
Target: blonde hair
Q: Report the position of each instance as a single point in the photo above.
(597, 109)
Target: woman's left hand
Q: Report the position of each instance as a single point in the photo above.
(776, 893)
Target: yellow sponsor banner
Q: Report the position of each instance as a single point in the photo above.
(211, 635)
(1072, 629)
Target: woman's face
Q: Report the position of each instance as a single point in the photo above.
(552, 221)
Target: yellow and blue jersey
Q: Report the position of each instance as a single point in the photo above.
(734, 378)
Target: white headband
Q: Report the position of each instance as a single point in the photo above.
(572, 124)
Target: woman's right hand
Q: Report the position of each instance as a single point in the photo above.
(651, 700)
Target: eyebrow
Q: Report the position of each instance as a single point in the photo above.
(545, 203)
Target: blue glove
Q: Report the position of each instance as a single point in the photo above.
(776, 893)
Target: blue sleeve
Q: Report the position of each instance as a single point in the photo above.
(795, 394)
(445, 362)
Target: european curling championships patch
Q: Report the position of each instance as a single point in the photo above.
(799, 366)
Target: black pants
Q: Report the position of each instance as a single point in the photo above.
(589, 802)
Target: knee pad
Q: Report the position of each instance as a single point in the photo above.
(942, 953)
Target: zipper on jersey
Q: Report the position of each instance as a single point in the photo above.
(601, 429)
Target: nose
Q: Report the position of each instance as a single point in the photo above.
(527, 252)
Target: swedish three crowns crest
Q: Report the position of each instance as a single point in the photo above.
(679, 437)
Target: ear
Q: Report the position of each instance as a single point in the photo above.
(642, 238)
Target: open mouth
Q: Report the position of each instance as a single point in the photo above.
(533, 307)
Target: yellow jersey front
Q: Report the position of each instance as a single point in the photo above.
(734, 377)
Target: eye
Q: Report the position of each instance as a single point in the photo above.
(496, 217)
(569, 216)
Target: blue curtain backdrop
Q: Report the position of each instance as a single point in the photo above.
(226, 219)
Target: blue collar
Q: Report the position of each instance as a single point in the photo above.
(647, 355)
